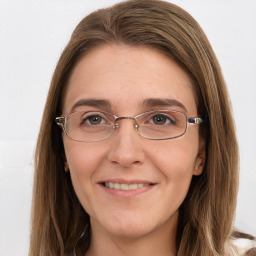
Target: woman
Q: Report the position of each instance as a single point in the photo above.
(146, 162)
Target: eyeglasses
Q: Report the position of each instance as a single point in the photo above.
(93, 126)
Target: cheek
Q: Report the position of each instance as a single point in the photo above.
(176, 162)
(83, 160)
(177, 158)
(81, 157)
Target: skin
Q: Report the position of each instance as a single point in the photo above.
(141, 223)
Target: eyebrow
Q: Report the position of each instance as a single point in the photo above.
(159, 102)
(151, 102)
(100, 103)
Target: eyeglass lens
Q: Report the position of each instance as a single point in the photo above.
(96, 126)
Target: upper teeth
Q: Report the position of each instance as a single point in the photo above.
(124, 186)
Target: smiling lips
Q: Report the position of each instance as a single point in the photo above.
(126, 188)
(123, 186)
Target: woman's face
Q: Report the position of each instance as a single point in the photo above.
(132, 80)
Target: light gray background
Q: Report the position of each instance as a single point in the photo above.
(32, 37)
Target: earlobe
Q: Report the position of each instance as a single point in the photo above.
(198, 169)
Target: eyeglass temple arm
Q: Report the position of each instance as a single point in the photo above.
(60, 121)
(197, 120)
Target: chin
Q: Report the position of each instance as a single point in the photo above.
(131, 229)
(131, 232)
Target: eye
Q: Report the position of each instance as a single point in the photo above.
(94, 119)
(161, 119)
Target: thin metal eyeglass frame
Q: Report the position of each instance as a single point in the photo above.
(62, 120)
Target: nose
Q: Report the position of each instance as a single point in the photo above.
(126, 145)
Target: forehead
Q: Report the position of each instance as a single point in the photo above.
(126, 77)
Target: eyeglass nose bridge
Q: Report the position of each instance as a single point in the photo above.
(126, 117)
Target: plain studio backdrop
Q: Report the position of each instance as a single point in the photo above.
(32, 37)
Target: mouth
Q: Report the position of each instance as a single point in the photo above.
(125, 186)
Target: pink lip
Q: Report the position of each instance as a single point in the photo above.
(123, 181)
(127, 193)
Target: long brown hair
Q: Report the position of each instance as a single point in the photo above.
(206, 216)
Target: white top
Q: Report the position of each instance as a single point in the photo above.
(243, 245)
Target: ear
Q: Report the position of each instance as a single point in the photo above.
(200, 159)
(66, 167)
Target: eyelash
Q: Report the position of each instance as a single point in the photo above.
(150, 119)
